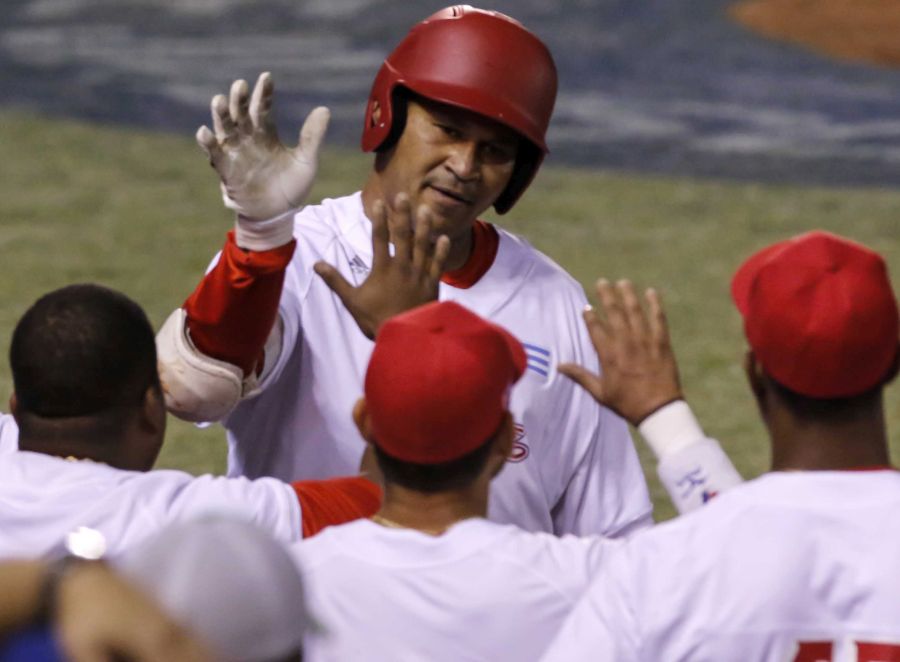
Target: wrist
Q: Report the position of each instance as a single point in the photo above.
(670, 428)
(253, 235)
(58, 577)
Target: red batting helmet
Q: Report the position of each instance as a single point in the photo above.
(483, 61)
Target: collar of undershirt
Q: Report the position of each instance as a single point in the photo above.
(485, 241)
(876, 467)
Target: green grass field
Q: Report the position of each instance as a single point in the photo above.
(141, 212)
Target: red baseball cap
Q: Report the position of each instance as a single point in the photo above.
(819, 314)
(438, 382)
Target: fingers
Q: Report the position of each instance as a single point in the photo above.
(208, 143)
(609, 303)
(313, 132)
(634, 313)
(335, 282)
(380, 235)
(261, 102)
(587, 380)
(400, 227)
(597, 330)
(659, 325)
(238, 105)
(223, 125)
(439, 261)
(422, 246)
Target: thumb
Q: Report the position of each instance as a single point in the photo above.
(313, 131)
(209, 144)
(587, 380)
(335, 282)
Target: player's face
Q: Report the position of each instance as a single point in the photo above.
(452, 160)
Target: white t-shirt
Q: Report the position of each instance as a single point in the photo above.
(780, 569)
(574, 469)
(9, 434)
(44, 498)
(481, 591)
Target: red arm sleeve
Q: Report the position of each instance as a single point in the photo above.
(230, 314)
(335, 501)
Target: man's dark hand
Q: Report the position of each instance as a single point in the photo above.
(640, 374)
(396, 283)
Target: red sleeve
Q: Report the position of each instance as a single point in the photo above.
(231, 313)
(335, 501)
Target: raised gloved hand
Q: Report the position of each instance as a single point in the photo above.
(261, 178)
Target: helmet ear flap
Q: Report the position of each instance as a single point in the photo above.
(528, 160)
(399, 98)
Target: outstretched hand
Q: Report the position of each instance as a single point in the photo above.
(399, 282)
(102, 617)
(640, 374)
(261, 178)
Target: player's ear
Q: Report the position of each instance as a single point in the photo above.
(153, 411)
(892, 373)
(503, 444)
(361, 418)
(14, 406)
(755, 377)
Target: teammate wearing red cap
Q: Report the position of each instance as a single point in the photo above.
(428, 577)
(801, 564)
(276, 338)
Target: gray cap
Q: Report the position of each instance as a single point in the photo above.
(229, 582)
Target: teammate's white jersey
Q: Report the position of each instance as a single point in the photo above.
(799, 566)
(480, 591)
(9, 434)
(44, 498)
(574, 469)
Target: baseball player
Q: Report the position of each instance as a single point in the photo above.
(801, 564)
(428, 577)
(96, 401)
(275, 340)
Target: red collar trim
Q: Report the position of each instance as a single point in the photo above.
(485, 241)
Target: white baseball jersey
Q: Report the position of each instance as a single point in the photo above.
(574, 469)
(9, 434)
(481, 591)
(791, 567)
(44, 498)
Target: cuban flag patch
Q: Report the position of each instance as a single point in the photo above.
(538, 359)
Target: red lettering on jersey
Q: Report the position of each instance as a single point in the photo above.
(872, 652)
(814, 651)
(520, 449)
(866, 651)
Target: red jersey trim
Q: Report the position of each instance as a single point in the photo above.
(333, 501)
(485, 241)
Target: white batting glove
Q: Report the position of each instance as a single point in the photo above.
(260, 177)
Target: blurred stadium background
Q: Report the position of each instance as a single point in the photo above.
(687, 134)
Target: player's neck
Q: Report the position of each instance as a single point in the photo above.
(836, 446)
(84, 438)
(431, 513)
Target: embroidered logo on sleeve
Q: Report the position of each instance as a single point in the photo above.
(538, 359)
(357, 266)
(520, 449)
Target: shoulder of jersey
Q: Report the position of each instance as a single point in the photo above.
(324, 220)
(542, 267)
